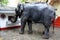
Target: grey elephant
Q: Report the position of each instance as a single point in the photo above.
(37, 13)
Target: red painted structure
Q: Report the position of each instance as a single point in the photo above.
(57, 22)
(10, 27)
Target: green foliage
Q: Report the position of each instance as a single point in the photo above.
(22, 1)
(3, 2)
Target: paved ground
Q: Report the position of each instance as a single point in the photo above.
(13, 34)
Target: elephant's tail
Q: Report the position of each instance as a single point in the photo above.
(53, 22)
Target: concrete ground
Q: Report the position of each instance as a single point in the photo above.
(13, 34)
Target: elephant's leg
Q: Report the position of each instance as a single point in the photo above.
(23, 22)
(46, 33)
(47, 27)
(29, 27)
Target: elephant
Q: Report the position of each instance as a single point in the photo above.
(37, 13)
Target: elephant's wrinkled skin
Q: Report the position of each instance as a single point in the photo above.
(36, 12)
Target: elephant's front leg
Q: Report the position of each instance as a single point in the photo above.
(23, 22)
(29, 27)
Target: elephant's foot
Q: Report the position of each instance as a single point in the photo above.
(45, 37)
(30, 32)
(21, 32)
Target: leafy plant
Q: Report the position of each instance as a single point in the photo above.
(23, 1)
(3, 2)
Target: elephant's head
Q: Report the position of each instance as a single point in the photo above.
(19, 10)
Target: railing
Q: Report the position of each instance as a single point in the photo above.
(5, 9)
